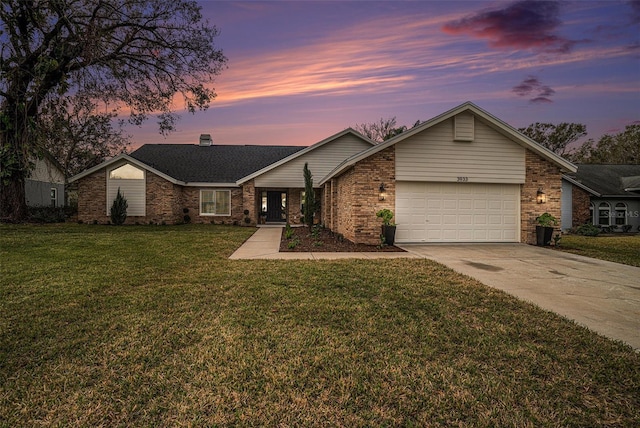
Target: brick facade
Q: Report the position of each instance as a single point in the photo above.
(580, 205)
(351, 200)
(165, 202)
(354, 197)
(546, 176)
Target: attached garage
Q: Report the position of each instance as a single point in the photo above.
(462, 176)
(457, 212)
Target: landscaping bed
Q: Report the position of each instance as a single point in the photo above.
(321, 239)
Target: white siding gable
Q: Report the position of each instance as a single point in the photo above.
(321, 160)
(133, 191)
(435, 155)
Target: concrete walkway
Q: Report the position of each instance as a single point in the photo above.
(265, 244)
(600, 295)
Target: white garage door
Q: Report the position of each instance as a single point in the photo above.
(457, 212)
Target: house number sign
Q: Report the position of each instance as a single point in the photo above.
(463, 179)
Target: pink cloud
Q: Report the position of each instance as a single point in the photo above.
(525, 24)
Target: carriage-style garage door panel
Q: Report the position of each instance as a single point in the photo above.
(457, 212)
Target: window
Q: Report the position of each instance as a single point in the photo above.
(604, 213)
(621, 214)
(54, 196)
(127, 172)
(215, 202)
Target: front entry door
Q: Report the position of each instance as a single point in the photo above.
(276, 206)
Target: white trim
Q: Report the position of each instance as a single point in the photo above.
(303, 151)
(491, 120)
(214, 202)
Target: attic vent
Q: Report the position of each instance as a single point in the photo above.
(205, 140)
(463, 127)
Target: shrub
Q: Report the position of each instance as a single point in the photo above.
(546, 220)
(293, 243)
(588, 230)
(386, 215)
(288, 231)
(47, 214)
(119, 209)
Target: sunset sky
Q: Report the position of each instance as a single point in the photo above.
(301, 71)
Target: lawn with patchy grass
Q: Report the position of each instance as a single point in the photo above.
(154, 326)
(623, 249)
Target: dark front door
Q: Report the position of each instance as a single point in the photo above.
(276, 206)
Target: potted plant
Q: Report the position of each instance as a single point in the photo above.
(544, 228)
(388, 228)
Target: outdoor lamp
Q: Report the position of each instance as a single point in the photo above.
(541, 198)
(383, 193)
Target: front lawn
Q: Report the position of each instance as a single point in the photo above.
(614, 248)
(154, 326)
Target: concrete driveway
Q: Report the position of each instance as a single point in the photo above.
(600, 295)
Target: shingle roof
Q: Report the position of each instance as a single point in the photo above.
(210, 164)
(609, 180)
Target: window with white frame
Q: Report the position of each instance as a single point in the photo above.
(604, 214)
(621, 214)
(215, 202)
(54, 197)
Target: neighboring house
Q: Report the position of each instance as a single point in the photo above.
(44, 187)
(604, 195)
(463, 176)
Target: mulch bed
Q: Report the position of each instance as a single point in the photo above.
(327, 241)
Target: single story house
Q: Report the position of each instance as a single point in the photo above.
(44, 187)
(462, 176)
(604, 195)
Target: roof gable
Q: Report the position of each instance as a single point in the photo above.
(492, 121)
(307, 150)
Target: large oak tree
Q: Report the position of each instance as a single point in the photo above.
(137, 55)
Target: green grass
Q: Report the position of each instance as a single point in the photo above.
(623, 249)
(154, 326)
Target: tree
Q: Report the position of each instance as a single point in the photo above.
(621, 148)
(118, 212)
(556, 138)
(133, 54)
(381, 130)
(77, 135)
(309, 206)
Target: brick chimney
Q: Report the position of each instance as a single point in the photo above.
(205, 140)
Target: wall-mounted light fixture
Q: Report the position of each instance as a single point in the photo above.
(541, 198)
(383, 192)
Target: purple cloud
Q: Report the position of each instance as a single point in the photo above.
(531, 86)
(525, 24)
(635, 14)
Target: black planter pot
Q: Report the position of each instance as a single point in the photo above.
(389, 233)
(544, 235)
